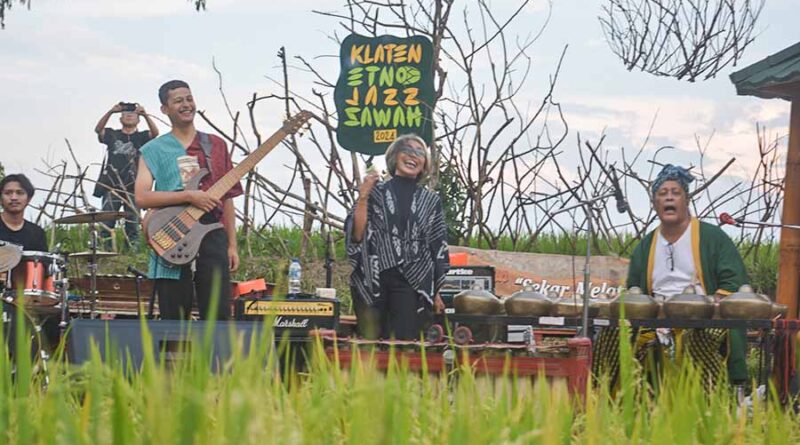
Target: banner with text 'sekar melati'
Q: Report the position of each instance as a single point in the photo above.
(385, 89)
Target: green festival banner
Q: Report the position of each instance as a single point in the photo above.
(385, 89)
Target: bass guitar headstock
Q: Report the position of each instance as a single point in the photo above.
(294, 123)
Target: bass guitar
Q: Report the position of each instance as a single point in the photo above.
(175, 232)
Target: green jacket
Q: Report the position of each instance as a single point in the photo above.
(722, 272)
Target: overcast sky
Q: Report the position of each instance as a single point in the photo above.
(65, 62)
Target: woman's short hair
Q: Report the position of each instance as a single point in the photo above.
(23, 181)
(402, 142)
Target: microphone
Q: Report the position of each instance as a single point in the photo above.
(726, 218)
(136, 272)
(622, 205)
(370, 167)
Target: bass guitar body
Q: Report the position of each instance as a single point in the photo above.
(175, 232)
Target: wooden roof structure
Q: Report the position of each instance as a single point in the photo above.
(778, 77)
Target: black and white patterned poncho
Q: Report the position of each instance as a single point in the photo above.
(420, 251)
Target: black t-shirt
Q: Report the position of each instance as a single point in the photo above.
(404, 189)
(30, 236)
(123, 156)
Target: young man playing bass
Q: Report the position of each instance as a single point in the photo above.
(165, 165)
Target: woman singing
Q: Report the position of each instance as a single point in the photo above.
(397, 244)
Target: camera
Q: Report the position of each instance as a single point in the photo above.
(127, 106)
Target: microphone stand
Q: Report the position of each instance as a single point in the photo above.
(151, 302)
(587, 209)
(328, 261)
(139, 277)
(139, 311)
(742, 223)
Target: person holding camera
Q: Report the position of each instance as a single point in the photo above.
(118, 174)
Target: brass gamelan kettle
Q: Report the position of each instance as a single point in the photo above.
(638, 306)
(477, 301)
(570, 307)
(689, 305)
(779, 310)
(601, 305)
(746, 304)
(528, 303)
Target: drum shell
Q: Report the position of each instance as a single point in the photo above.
(36, 276)
(8, 322)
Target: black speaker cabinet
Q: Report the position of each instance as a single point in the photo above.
(123, 339)
(461, 278)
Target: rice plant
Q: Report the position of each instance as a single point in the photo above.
(252, 399)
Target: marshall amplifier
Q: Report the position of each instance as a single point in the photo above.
(295, 317)
(462, 278)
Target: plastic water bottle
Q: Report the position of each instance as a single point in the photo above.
(295, 273)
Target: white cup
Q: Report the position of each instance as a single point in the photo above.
(326, 292)
(188, 166)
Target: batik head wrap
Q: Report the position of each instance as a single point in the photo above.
(672, 173)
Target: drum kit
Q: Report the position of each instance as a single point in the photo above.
(39, 279)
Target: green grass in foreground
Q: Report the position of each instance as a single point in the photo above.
(250, 403)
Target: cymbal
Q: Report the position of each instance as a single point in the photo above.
(90, 217)
(10, 254)
(89, 254)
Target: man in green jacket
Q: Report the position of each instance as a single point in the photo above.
(683, 252)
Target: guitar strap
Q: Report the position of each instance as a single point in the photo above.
(205, 144)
